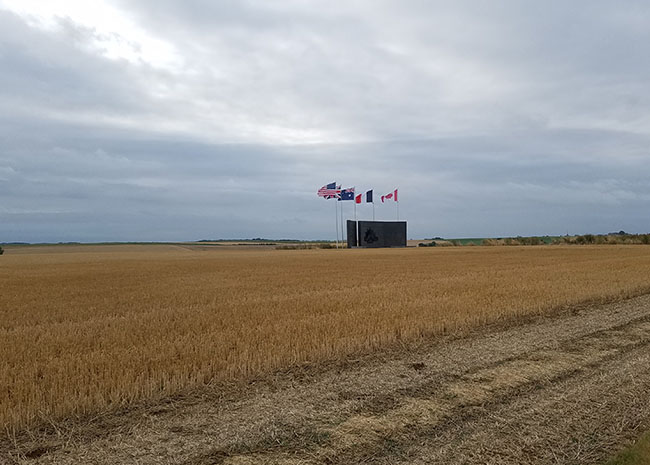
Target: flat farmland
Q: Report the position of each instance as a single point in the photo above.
(89, 329)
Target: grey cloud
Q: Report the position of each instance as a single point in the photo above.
(498, 118)
(45, 72)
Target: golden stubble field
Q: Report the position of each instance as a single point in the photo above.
(85, 329)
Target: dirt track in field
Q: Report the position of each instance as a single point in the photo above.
(572, 388)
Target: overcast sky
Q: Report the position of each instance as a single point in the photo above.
(180, 120)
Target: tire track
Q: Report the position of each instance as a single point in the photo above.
(366, 436)
(473, 399)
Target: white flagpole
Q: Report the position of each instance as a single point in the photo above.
(373, 209)
(397, 202)
(356, 225)
(336, 218)
(342, 235)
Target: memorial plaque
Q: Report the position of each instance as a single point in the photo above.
(377, 234)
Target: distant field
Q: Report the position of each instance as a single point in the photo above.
(482, 240)
(86, 328)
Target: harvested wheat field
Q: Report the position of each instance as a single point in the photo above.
(97, 330)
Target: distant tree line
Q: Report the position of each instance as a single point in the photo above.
(613, 238)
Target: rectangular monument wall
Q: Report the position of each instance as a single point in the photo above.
(378, 234)
(352, 233)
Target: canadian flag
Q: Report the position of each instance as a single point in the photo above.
(392, 195)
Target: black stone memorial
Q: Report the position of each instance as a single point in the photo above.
(376, 233)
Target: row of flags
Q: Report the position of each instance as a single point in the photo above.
(334, 191)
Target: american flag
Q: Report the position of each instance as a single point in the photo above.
(330, 191)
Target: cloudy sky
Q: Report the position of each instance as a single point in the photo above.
(178, 120)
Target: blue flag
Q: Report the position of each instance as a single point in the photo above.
(347, 194)
(369, 196)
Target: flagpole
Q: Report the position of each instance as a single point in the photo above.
(342, 235)
(373, 209)
(397, 202)
(336, 218)
(356, 238)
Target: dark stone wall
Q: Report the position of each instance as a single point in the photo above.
(378, 234)
(352, 233)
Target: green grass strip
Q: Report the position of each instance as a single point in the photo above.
(637, 454)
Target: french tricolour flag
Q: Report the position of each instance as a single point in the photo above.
(358, 198)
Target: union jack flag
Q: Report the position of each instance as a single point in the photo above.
(330, 191)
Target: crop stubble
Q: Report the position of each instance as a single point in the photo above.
(85, 331)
